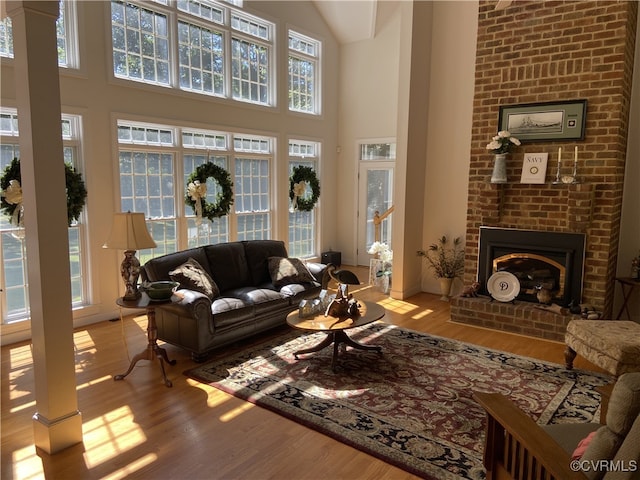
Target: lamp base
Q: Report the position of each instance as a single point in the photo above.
(130, 271)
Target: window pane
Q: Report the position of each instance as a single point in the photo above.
(65, 41)
(378, 151)
(201, 59)
(139, 40)
(303, 87)
(302, 228)
(6, 38)
(252, 198)
(146, 180)
(249, 71)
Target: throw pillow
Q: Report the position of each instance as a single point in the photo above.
(582, 446)
(192, 276)
(285, 271)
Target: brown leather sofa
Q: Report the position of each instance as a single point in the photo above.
(245, 300)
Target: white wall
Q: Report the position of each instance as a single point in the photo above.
(451, 88)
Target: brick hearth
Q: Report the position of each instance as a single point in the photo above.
(543, 51)
(524, 318)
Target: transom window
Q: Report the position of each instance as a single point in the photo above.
(155, 162)
(303, 73)
(219, 51)
(14, 294)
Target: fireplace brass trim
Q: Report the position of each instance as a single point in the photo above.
(542, 258)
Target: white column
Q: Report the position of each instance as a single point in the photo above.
(57, 423)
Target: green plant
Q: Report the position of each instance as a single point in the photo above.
(446, 261)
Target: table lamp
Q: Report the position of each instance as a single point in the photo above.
(129, 233)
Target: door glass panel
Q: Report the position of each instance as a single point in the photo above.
(377, 161)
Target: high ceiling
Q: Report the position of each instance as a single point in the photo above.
(349, 20)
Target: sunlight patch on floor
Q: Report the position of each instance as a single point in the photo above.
(107, 436)
(22, 406)
(94, 381)
(230, 415)
(398, 306)
(27, 464)
(422, 314)
(132, 467)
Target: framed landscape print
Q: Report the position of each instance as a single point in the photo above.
(537, 122)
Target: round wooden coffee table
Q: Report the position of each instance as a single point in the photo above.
(336, 328)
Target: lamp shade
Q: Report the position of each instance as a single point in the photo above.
(129, 232)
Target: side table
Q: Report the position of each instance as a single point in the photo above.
(633, 284)
(153, 350)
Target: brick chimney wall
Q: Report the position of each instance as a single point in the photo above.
(543, 51)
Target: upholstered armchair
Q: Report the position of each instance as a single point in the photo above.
(518, 448)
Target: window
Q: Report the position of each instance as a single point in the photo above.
(220, 51)
(250, 60)
(155, 163)
(201, 59)
(252, 193)
(6, 38)
(67, 39)
(302, 225)
(303, 73)
(140, 43)
(13, 268)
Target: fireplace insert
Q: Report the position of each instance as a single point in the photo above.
(551, 261)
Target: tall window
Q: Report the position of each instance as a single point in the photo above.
(221, 51)
(303, 73)
(155, 164)
(302, 225)
(252, 179)
(13, 267)
(67, 39)
(201, 147)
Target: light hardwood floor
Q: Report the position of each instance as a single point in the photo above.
(138, 428)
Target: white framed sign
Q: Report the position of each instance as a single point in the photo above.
(534, 167)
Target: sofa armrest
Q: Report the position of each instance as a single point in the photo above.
(515, 443)
(191, 304)
(316, 269)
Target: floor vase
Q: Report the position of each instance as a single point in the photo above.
(445, 288)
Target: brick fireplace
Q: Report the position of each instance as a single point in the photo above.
(541, 52)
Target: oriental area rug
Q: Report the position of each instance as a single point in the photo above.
(412, 405)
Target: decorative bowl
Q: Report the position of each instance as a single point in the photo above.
(161, 290)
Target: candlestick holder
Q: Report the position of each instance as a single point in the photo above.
(558, 181)
(575, 173)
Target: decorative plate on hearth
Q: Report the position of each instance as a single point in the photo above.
(503, 286)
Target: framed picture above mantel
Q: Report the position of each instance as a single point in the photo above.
(548, 121)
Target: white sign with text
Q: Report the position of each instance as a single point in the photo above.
(534, 167)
